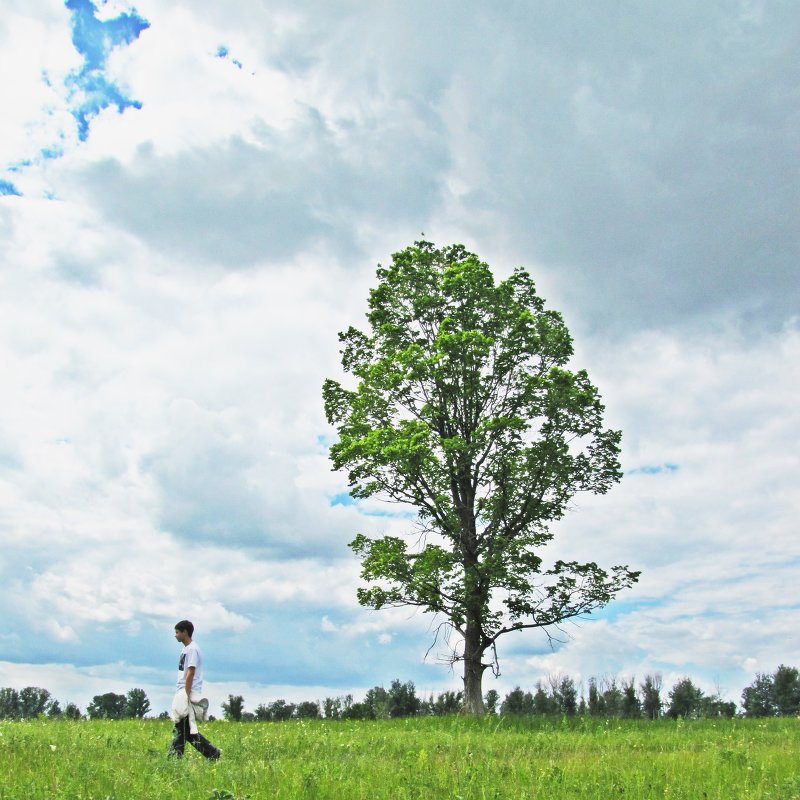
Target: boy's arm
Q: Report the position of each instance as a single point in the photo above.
(189, 679)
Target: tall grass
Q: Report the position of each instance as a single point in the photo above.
(495, 757)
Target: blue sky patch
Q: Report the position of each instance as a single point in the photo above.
(224, 52)
(94, 39)
(344, 499)
(51, 152)
(8, 189)
(653, 469)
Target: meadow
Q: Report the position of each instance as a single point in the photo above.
(457, 758)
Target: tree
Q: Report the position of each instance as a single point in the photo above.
(651, 696)
(773, 695)
(595, 704)
(9, 703)
(72, 711)
(464, 409)
(353, 710)
(715, 706)
(491, 699)
(542, 702)
(107, 706)
(631, 706)
(232, 710)
(786, 691)
(566, 695)
(308, 709)
(517, 702)
(612, 699)
(757, 699)
(402, 700)
(33, 701)
(377, 701)
(136, 704)
(332, 707)
(685, 700)
(450, 702)
(280, 710)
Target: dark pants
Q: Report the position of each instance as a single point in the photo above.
(181, 735)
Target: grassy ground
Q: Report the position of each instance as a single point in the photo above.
(404, 759)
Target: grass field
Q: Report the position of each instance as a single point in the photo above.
(496, 757)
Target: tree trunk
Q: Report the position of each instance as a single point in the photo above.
(473, 670)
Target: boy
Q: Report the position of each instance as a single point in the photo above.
(188, 705)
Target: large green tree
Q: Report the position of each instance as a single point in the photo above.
(462, 406)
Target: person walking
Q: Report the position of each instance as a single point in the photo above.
(188, 705)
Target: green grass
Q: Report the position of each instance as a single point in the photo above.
(406, 759)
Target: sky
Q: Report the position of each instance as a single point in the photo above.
(194, 197)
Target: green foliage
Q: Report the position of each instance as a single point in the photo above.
(111, 705)
(9, 703)
(651, 696)
(773, 695)
(517, 702)
(786, 691)
(685, 700)
(630, 707)
(758, 699)
(107, 706)
(332, 707)
(33, 701)
(280, 710)
(464, 408)
(688, 701)
(222, 794)
(402, 700)
(450, 702)
(605, 699)
(28, 703)
(491, 700)
(136, 704)
(307, 710)
(232, 710)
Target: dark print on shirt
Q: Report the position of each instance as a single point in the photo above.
(182, 661)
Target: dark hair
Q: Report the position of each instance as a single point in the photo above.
(185, 625)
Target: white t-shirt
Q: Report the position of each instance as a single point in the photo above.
(191, 657)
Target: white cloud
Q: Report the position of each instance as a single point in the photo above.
(36, 50)
(167, 321)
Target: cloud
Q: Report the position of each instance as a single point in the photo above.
(633, 163)
(50, 88)
(241, 203)
(35, 48)
(173, 285)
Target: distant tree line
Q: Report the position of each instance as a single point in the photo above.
(622, 700)
(400, 700)
(33, 701)
(770, 695)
